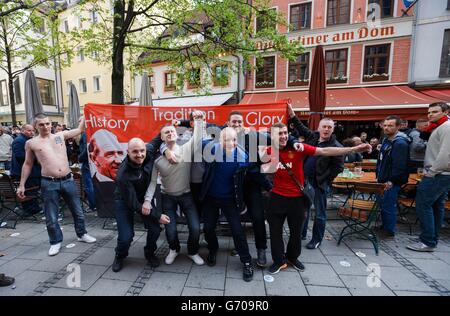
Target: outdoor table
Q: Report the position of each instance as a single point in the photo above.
(371, 177)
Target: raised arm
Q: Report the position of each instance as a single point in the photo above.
(301, 129)
(76, 131)
(26, 170)
(340, 151)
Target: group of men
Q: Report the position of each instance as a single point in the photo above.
(229, 177)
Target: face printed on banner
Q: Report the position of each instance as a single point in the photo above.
(106, 153)
(136, 151)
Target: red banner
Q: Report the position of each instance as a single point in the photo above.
(128, 121)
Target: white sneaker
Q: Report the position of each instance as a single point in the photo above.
(197, 259)
(54, 249)
(171, 256)
(87, 239)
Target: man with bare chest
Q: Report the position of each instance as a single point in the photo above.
(50, 150)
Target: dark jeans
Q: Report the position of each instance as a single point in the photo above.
(280, 208)
(196, 188)
(320, 218)
(211, 208)
(88, 185)
(125, 228)
(430, 199)
(186, 203)
(51, 194)
(254, 201)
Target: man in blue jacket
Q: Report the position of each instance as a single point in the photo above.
(392, 170)
(30, 207)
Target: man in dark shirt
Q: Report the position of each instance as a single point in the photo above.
(132, 180)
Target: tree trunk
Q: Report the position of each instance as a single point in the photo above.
(117, 95)
(12, 100)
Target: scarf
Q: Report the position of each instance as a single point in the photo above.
(432, 126)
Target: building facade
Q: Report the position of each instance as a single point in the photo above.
(366, 60)
(430, 53)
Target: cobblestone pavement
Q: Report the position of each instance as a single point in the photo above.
(347, 269)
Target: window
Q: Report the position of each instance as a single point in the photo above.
(338, 12)
(170, 81)
(194, 78)
(95, 55)
(47, 91)
(376, 63)
(300, 17)
(299, 71)
(4, 93)
(83, 85)
(94, 16)
(266, 20)
(386, 7)
(80, 54)
(66, 26)
(97, 83)
(151, 82)
(220, 74)
(265, 75)
(17, 92)
(68, 83)
(445, 57)
(336, 65)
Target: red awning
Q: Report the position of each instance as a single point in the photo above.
(359, 104)
(441, 94)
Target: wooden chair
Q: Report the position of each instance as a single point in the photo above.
(360, 214)
(406, 203)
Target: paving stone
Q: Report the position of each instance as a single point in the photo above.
(182, 264)
(25, 283)
(331, 248)
(436, 269)
(111, 244)
(131, 269)
(40, 252)
(308, 256)
(357, 285)
(55, 263)
(444, 282)
(314, 290)
(7, 242)
(236, 287)
(398, 279)
(359, 244)
(89, 275)
(383, 259)
(409, 254)
(193, 291)
(215, 277)
(235, 268)
(444, 256)
(15, 251)
(412, 293)
(357, 267)
(37, 240)
(105, 287)
(62, 292)
(102, 256)
(320, 274)
(286, 283)
(164, 284)
(79, 248)
(16, 266)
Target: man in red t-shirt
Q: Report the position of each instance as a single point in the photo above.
(286, 199)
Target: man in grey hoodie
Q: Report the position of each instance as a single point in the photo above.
(434, 187)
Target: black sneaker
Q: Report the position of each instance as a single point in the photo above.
(211, 259)
(234, 253)
(6, 280)
(313, 244)
(117, 264)
(153, 261)
(277, 267)
(261, 260)
(247, 272)
(297, 265)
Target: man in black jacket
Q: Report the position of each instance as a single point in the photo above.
(320, 171)
(133, 179)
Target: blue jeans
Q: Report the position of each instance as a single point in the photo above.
(211, 208)
(430, 199)
(186, 203)
(125, 228)
(88, 186)
(51, 194)
(389, 209)
(320, 218)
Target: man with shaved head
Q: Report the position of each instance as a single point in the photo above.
(30, 207)
(133, 178)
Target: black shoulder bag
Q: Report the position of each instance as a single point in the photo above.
(307, 189)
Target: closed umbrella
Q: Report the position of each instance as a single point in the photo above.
(145, 98)
(317, 89)
(33, 102)
(74, 107)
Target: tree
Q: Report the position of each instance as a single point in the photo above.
(187, 34)
(27, 39)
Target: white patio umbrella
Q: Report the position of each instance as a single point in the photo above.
(74, 107)
(145, 97)
(33, 102)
